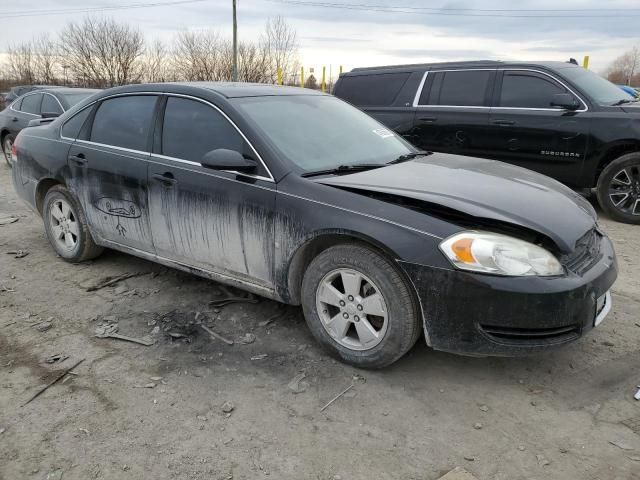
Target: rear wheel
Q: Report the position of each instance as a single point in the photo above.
(359, 307)
(619, 188)
(7, 146)
(66, 226)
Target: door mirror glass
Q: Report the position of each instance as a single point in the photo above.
(565, 101)
(50, 114)
(223, 159)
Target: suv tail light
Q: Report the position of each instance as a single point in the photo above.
(14, 152)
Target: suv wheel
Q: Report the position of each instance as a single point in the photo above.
(66, 226)
(7, 145)
(619, 188)
(359, 307)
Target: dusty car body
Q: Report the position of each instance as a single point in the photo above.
(256, 214)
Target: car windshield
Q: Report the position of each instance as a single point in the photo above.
(321, 132)
(73, 98)
(600, 90)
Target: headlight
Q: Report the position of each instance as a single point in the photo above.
(499, 255)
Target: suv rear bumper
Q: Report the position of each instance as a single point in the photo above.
(476, 314)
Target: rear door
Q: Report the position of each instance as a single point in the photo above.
(453, 111)
(526, 130)
(220, 221)
(108, 163)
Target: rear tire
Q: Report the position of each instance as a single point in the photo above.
(619, 188)
(7, 145)
(66, 226)
(359, 307)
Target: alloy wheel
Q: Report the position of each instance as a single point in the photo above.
(64, 224)
(624, 190)
(352, 309)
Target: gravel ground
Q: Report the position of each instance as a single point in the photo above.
(164, 411)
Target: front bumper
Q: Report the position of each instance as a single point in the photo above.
(475, 314)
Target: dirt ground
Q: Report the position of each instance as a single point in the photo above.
(134, 411)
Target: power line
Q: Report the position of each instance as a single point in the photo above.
(468, 12)
(41, 13)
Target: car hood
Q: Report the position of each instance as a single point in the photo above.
(485, 189)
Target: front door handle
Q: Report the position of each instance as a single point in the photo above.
(14, 119)
(165, 178)
(78, 159)
(427, 119)
(504, 122)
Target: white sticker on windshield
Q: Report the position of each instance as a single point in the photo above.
(383, 132)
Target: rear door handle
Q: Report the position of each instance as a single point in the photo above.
(503, 122)
(78, 159)
(427, 119)
(14, 119)
(165, 178)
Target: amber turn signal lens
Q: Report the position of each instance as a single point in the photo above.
(462, 250)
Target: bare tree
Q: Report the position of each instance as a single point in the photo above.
(157, 63)
(46, 63)
(102, 52)
(20, 62)
(197, 56)
(626, 68)
(280, 41)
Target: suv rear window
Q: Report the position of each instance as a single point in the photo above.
(372, 90)
(465, 88)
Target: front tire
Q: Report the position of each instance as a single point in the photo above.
(66, 226)
(7, 146)
(359, 307)
(619, 188)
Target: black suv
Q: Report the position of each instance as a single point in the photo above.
(556, 118)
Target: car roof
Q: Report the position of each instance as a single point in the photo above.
(71, 90)
(225, 89)
(554, 65)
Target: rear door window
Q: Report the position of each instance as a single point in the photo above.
(192, 128)
(372, 90)
(124, 122)
(31, 104)
(522, 89)
(464, 88)
(50, 104)
(73, 126)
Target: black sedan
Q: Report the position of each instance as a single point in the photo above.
(39, 103)
(299, 197)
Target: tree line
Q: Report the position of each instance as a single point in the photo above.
(625, 70)
(101, 52)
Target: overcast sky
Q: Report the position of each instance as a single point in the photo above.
(351, 37)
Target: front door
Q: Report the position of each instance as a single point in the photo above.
(214, 220)
(108, 164)
(526, 130)
(453, 111)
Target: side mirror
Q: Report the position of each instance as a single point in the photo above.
(565, 101)
(223, 159)
(50, 114)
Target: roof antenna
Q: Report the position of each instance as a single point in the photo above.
(573, 60)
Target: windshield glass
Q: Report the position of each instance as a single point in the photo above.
(321, 132)
(600, 90)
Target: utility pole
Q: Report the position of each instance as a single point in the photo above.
(234, 68)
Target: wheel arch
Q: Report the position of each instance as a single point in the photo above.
(319, 242)
(614, 151)
(44, 185)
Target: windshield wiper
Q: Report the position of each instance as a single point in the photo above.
(356, 167)
(625, 100)
(409, 156)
